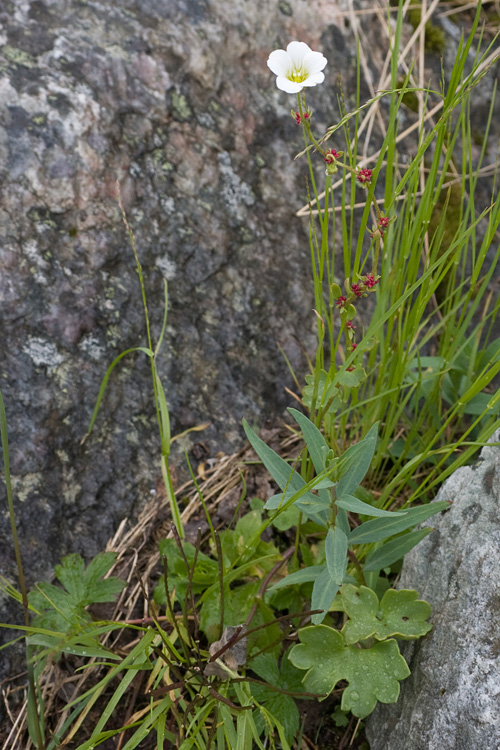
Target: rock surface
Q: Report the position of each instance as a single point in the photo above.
(172, 99)
(451, 701)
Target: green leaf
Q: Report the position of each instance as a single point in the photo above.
(238, 602)
(285, 477)
(336, 554)
(304, 575)
(205, 574)
(342, 521)
(316, 443)
(323, 593)
(394, 550)
(400, 613)
(287, 518)
(478, 404)
(107, 376)
(70, 574)
(84, 647)
(164, 417)
(63, 609)
(354, 505)
(355, 462)
(98, 588)
(325, 394)
(306, 500)
(382, 528)
(373, 674)
(237, 605)
(282, 707)
(351, 378)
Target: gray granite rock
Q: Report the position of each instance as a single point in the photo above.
(172, 99)
(451, 701)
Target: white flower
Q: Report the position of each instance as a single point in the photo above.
(296, 67)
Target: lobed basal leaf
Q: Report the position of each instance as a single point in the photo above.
(373, 674)
(399, 613)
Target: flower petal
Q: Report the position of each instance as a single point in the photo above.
(279, 62)
(289, 86)
(314, 79)
(298, 51)
(314, 62)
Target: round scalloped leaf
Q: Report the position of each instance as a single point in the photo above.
(373, 674)
(352, 378)
(400, 613)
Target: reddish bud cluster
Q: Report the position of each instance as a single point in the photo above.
(299, 119)
(331, 156)
(383, 222)
(350, 325)
(364, 176)
(341, 301)
(369, 281)
(357, 290)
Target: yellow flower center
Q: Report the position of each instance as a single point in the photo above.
(297, 75)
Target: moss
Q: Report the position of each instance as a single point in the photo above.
(39, 119)
(42, 216)
(181, 109)
(435, 38)
(18, 56)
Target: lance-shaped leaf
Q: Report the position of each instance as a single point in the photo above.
(399, 613)
(356, 461)
(382, 528)
(316, 443)
(394, 550)
(323, 593)
(354, 505)
(304, 575)
(336, 554)
(285, 477)
(373, 674)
